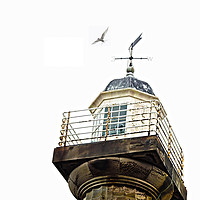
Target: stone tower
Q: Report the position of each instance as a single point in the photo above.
(122, 147)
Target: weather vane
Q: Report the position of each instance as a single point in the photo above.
(130, 68)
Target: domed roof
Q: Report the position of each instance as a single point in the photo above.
(129, 82)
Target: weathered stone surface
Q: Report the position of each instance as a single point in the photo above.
(116, 193)
(117, 171)
(135, 169)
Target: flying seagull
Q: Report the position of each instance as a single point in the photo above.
(101, 39)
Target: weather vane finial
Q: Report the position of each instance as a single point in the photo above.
(130, 69)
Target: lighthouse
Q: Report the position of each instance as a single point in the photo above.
(122, 147)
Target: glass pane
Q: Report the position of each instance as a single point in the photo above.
(113, 132)
(124, 107)
(115, 108)
(114, 120)
(121, 129)
(115, 114)
(113, 126)
(122, 125)
(122, 119)
(122, 113)
(105, 121)
(104, 127)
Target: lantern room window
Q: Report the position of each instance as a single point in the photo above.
(114, 120)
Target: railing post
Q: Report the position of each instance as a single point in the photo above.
(67, 127)
(182, 160)
(107, 123)
(158, 117)
(64, 130)
(150, 120)
(169, 142)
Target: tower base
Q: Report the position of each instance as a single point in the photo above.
(119, 178)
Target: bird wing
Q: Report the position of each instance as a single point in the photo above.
(103, 35)
(96, 41)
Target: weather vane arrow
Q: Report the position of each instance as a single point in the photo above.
(131, 53)
(135, 42)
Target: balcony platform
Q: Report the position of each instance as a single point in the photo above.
(147, 149)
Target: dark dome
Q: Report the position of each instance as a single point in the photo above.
(129, 82)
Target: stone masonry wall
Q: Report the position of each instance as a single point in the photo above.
(116, 193)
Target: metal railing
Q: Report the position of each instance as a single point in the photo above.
(120, 121)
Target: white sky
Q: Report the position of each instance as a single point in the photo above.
(48, 66)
